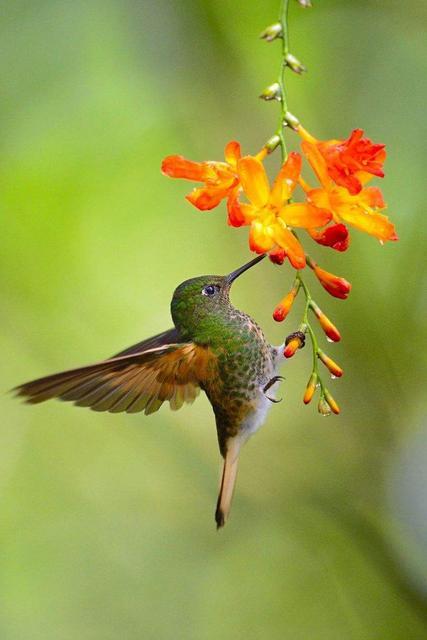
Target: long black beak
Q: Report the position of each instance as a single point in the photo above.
(235, 274)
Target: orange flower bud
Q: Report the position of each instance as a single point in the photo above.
(277, 255)
(335, 236)
(331, 402)
(310, 389)
(336, 286)
(291, 348)
(293, 342)
(283, 308)
(330, 364)
(330, 329)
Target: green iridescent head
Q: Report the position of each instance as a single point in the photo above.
(198, 302)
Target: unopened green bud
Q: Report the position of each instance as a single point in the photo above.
(273, 92)
(272, 32)
(291, 121)
(323, 407)
(272, 143)
(293, 63)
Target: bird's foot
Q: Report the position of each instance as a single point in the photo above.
(269, 385)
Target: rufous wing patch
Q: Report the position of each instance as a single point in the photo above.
(132, 383)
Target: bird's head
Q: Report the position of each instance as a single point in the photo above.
(200, 300)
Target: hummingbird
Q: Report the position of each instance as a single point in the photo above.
(212, 347)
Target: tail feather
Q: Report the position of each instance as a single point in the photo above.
(228, 481)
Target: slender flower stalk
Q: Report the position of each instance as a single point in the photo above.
(287, 119)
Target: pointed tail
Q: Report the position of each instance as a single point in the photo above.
(228, 480)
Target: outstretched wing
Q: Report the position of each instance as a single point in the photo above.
(136, 381)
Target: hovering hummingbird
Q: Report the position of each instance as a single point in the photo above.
(213, 347)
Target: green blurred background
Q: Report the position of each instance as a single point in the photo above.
(107, 520)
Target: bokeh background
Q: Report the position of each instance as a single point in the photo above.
(107, 520)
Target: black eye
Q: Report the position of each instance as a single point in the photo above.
(210, 290)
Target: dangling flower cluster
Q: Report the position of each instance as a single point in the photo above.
(343, 168)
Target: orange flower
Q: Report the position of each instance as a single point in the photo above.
(268, 212)
(220, 178)
(361, 210)
(350, 163)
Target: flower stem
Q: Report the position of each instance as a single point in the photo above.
(283, 19)
(305, 323)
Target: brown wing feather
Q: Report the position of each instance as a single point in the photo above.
(134, 382)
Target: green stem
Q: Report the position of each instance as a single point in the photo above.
(283, 19)
(305, 324)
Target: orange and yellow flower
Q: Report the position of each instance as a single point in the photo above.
(350, 163)
(361, 210)
(268, 212)
(220, 178)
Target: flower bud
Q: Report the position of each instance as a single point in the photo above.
(330, 364)
(293, 342)
(272, 32)
(272, 143)
(323, 407)
(277, 255)
(291, 121)
(306, 4)
(272, 92)
(293, 63)
(335, 236)
(331, 402)
(283, 308)
(310, 388)
(327, 326)
(334, 285)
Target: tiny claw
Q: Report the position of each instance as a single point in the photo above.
(269, 385)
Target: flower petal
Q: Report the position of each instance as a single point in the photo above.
(286, 180)
(260, 238)
(320, 198)
(305, 215)
(232, 153)
(372, 197)
(254, 181)
(376, 224)
(286, 239)
(179, 167)
(239, 213)
(206, 198)
(317, 162)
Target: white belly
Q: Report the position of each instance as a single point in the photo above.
(257, 417)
